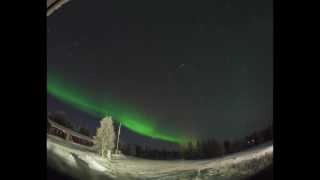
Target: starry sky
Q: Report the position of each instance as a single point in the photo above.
(205, 68)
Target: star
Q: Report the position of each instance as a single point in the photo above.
(244, 69)
(180, 66)
(75, 44)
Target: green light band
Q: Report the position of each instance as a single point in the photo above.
(132, 119)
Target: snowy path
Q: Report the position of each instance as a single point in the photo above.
(83, 164)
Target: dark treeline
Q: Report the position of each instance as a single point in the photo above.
(61, 118)
(204, 149)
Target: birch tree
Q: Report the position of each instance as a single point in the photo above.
(105, 137)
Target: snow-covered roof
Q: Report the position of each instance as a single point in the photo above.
(73, 133)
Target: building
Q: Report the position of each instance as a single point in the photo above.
(68, 134)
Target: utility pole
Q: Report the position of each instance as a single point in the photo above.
(118, 137)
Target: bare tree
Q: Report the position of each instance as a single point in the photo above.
(105, 137)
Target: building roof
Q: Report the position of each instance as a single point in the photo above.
(72, 132)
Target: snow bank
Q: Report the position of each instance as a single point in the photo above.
(84, 164)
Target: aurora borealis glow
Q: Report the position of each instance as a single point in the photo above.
(198, 73)
(129, 116)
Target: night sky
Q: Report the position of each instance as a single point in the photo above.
(203, 68)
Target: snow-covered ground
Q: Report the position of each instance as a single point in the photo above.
(83, 164)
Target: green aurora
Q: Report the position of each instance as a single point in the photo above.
(128, 115)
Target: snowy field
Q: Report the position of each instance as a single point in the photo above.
(83, 164)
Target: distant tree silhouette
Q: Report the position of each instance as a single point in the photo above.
(215, 148)
(268, 133)
(138, 151)
(126, 149)
(48, 125)
(61, 118)
(227, 148)
(188, 152)
(200, 150)
(238, 145)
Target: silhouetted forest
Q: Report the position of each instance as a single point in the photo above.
(201, 149)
